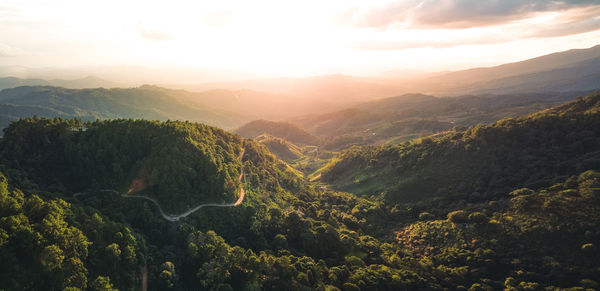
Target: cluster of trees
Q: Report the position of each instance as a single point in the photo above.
(526, 240)
(52, 245)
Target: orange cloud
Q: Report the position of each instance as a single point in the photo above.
(456, 13)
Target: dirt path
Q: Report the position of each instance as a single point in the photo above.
(144, 272)
(176, 217)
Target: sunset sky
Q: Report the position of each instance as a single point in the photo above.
(299, 38)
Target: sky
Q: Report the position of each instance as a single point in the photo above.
(273, 38)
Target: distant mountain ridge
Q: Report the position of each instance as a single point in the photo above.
(147, 102)
(396, 119)
(570, 70)
(86, 82)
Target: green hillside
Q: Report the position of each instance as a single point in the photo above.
(280, 147)
(402, 118)
(285, 130)
(481, 161)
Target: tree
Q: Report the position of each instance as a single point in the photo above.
(102, 284)
(458, 216)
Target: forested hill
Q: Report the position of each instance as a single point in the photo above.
(180, 164)
(480, 162)
(146, 102)
(285, 130)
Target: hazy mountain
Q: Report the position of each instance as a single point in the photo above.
(87, 82)
(573, 70)
(570, 70)
(146, 102)
(128, 75)
(12, 82)
(258, 105)
(324, 93)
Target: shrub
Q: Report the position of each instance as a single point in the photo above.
(354, 261)
(458, 216)
(588, 283)
(280, 241)
(351, 287)
(480, 287)
(522, 191)
(478, 217)
(588, 248)
(425, 216)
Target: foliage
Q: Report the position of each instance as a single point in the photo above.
(49, 245)
(546, 243)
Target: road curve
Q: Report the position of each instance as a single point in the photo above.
(176, 217)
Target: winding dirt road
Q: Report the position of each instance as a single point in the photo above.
(176, 217)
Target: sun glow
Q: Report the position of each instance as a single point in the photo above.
(272, 38)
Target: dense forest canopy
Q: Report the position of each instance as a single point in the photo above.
(526, 232)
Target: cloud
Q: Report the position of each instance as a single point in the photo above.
(153, 33)
(9, 51)
(455, 13)
(570, 20)
(564, 29)
(481, 36)
(217, 18)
